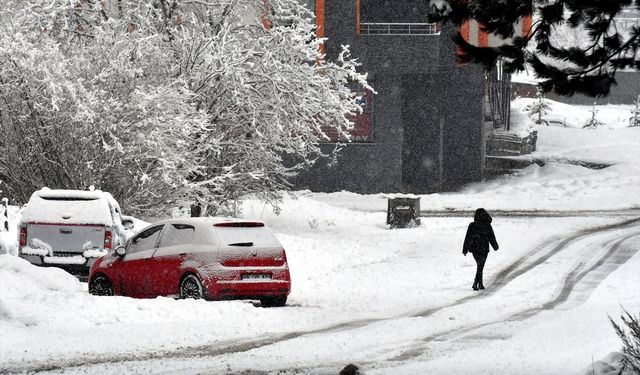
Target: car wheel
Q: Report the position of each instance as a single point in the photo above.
(191, 287)
(101, 286)
(273, 301)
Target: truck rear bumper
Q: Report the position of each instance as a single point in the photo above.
(76, 265)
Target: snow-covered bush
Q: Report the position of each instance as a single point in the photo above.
(629, 333)
(161, 102)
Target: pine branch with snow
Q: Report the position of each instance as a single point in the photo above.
(629, 333)
(573, 46)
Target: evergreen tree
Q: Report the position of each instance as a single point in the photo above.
(593, 122)
(587, 68)
(540, 108)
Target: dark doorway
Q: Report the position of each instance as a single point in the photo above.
(422, 145)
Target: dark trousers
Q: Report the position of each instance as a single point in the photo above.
(480, 260)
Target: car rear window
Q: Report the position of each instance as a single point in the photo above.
(247, 236)
(67, 199)
(177, 234)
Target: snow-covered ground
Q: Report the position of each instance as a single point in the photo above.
(391, 301)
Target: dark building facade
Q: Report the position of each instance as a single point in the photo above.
(426, 122)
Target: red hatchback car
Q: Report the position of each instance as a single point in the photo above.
(206, 258)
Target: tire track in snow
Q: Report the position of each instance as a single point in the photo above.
(209, 350)
(239, 346)
(575, 276)
(513, 271)
(609, 261)
(593, 275)
(513, 213)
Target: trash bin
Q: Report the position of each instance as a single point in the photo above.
(403, 212)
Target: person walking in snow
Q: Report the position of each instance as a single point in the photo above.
(479, 236)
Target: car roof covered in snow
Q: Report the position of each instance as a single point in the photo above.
(259, 234)
(71, 194)
(205, 221)
(69, 207)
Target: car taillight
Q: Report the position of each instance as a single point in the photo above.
(283, 255)
(107, 240)
(23, 236)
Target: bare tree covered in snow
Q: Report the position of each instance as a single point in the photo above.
(163, 102)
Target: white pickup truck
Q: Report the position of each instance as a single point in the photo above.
(70, 229)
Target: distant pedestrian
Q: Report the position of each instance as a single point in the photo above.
(479, 236)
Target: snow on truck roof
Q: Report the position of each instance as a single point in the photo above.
(71, 194)
(69, 207)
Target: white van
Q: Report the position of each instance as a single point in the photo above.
(70, 229)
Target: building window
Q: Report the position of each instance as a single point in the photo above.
(362, 131)
(394, 17)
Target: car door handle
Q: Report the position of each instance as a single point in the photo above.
(65, 231)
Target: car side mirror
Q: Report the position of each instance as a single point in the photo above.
(127, 224)
(121, 251)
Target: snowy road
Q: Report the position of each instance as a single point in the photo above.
(555, 277)
(632, 212)
(573, 288)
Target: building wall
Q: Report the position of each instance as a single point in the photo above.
(427, 116)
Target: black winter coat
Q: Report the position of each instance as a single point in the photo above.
(480, 235)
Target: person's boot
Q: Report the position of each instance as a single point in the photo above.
(475, 286)
(480, 286)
